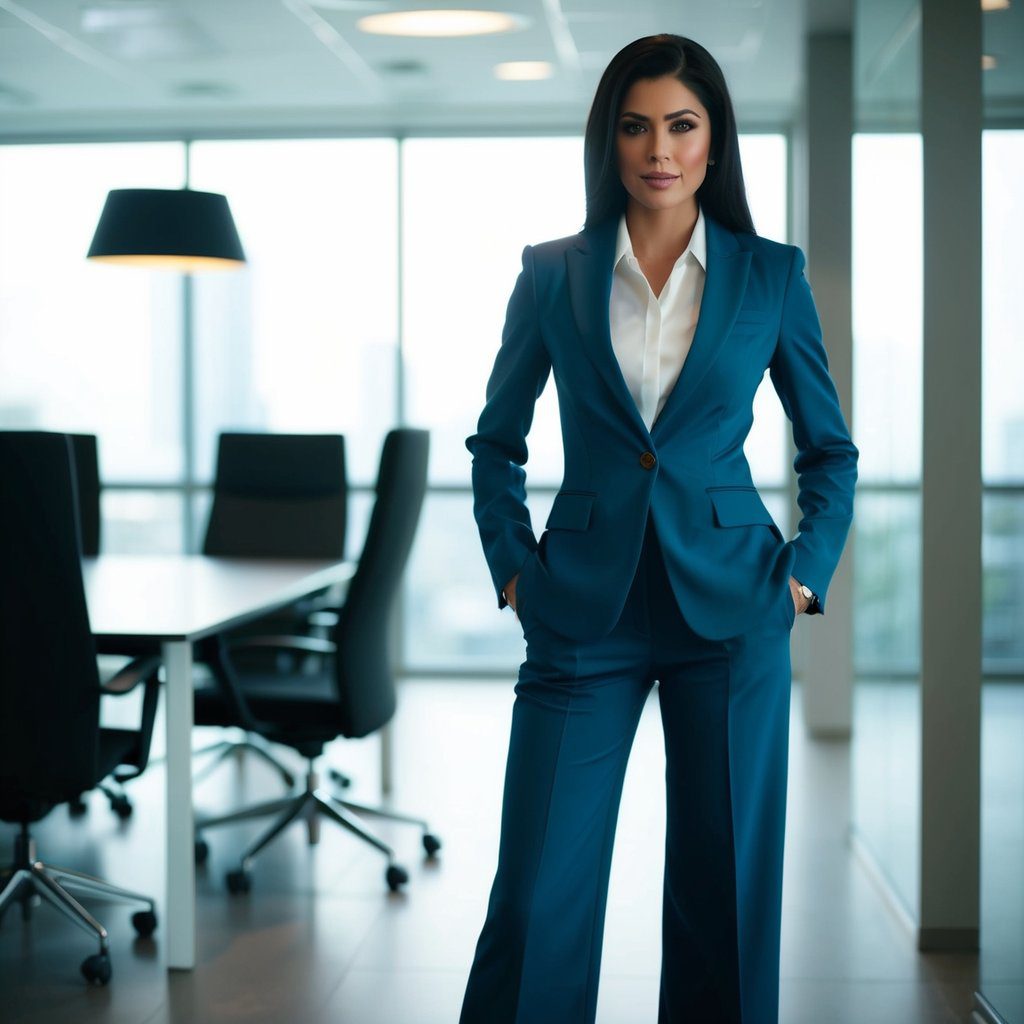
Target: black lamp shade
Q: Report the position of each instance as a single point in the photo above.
(178, 229)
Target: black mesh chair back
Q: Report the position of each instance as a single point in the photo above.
(49, 682)
(366, 687)
(87, 479)
(279, 496)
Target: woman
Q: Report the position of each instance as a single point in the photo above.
(659, 560)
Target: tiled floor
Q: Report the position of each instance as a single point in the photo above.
(320, 939)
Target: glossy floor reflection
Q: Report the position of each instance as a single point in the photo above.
(320, 939)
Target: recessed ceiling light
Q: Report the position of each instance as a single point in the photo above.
(994, 5)
(988, 62)
(440, 23)
(523, 70)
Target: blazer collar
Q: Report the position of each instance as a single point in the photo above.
(590, 262)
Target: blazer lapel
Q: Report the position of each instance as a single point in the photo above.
(724, 285)
(589, 268)
(589, 265)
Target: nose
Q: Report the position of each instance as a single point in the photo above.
(659, 146)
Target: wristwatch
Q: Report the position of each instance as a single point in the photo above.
(812, 597)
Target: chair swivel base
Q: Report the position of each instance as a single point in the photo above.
(252, 744)
(309, 806)
(431, 843)
(29, 878)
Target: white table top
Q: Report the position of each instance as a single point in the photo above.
(187, 597)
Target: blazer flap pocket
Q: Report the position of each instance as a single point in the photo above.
(571, 510)
(739, 506)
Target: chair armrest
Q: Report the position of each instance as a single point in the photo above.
(214, 652)
(141, 670)
(306, 644)
(131, 675)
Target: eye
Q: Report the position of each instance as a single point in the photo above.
(686, 124)
(628, 126)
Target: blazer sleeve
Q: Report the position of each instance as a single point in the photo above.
(826, 459)
(520, 372)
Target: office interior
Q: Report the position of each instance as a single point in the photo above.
(383, 187)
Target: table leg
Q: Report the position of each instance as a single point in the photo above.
(179, 912)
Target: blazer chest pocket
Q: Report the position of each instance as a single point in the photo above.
(751, 321)
(740, 506)
(571, 510)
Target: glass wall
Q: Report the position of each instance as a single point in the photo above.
(304, 339)
(887, 336)
(1002, 760)
(469, 206)
(887, 332)
(90, 347)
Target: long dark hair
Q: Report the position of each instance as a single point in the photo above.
(722, 195)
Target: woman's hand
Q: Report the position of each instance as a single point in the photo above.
(800, 602)
(510, 592)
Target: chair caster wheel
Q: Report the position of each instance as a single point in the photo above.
(122, 807)
(396, 877)
(431, 844)
(339, 778)
(144, 923)
(77, 807)
(239, 881)
(202, 851)
(96, 969)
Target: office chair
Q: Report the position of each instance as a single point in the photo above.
(274, 496)
(51, 744)
(85, 450)
(85, 453)
(354, 693)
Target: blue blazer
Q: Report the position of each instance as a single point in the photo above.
(726, 557)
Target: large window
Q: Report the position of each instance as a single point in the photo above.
(327, 328)
(1002, 794)
(304, 339)
(887, 333)
(88, 346)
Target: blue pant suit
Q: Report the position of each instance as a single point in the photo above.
(659, 561)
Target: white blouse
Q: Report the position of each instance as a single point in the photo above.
(652, 334)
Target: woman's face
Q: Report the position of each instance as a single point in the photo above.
(663, 140)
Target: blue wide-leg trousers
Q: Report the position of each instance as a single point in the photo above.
(725, 714)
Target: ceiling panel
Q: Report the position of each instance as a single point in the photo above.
(223, 66)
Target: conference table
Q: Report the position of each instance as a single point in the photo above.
(173, 601)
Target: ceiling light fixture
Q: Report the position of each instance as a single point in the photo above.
(440, 23)
(523, 70)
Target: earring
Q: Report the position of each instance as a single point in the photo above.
(711, 163)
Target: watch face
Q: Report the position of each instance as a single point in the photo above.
(806, 591)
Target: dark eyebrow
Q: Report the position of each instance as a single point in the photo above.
(668, 117)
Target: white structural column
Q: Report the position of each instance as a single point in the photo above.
(179, 910)
(822, 200)
(951, 477)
